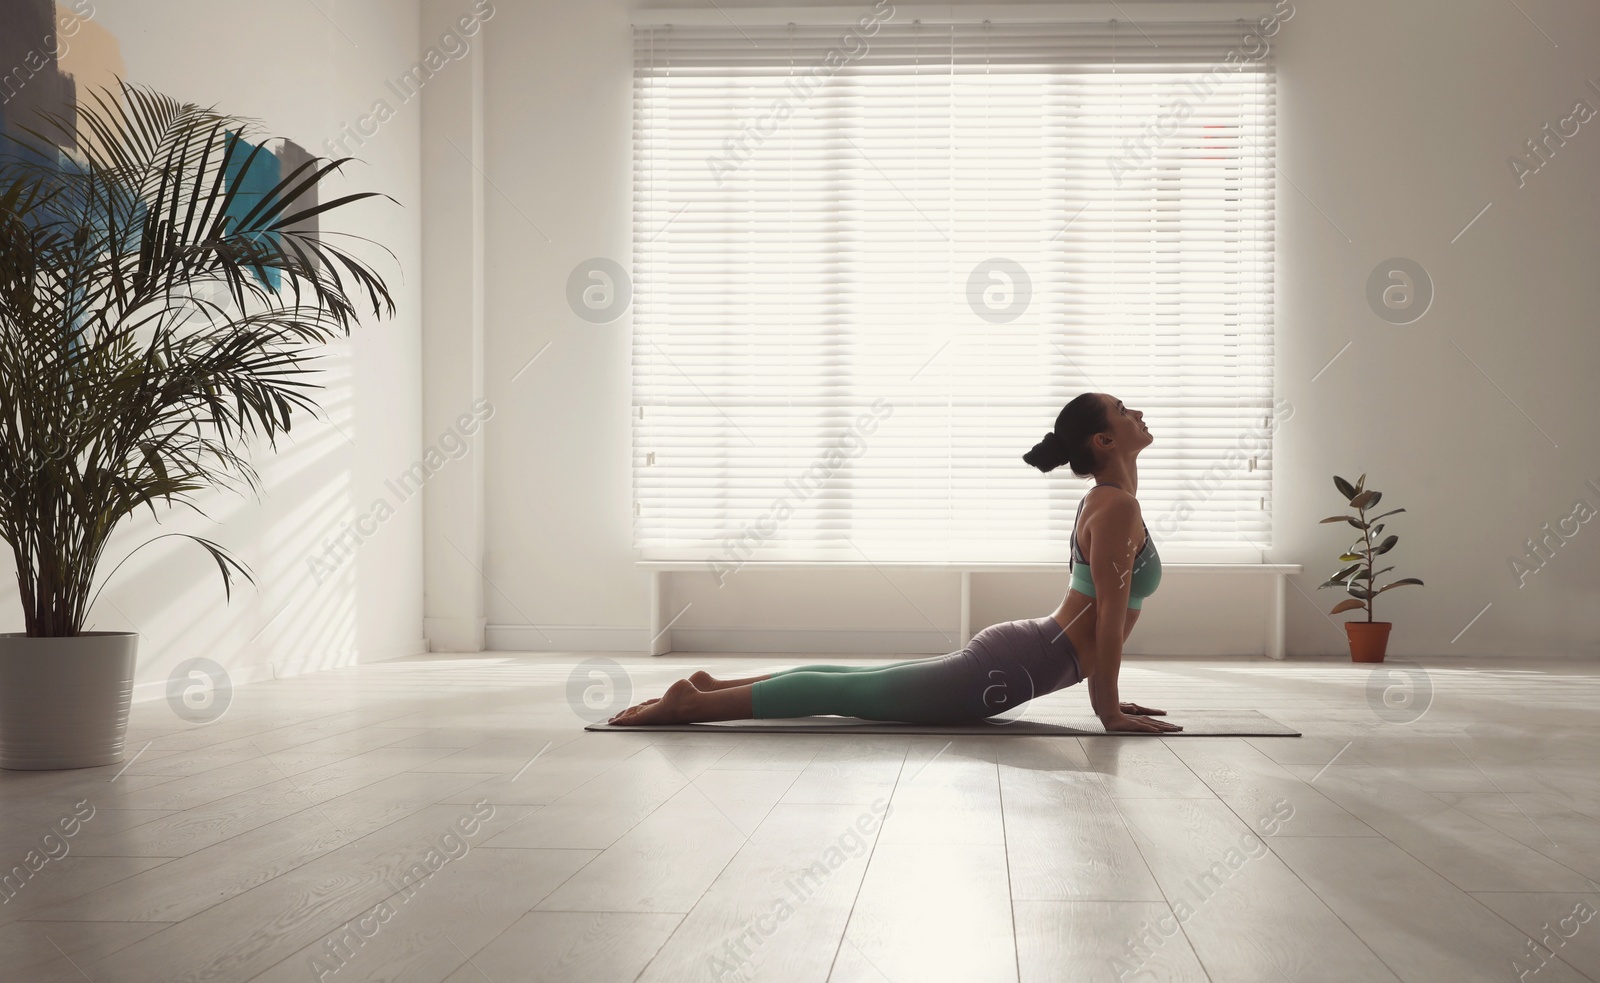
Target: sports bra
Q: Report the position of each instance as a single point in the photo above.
(1146, 564)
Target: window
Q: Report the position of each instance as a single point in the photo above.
(872, 262)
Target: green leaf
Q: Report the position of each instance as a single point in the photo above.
(1369, 577)
(1366, 499)
(1348, 604)
(1400, 583)
(1345, 488)
(1347, 557)
(1360, 483)
(152, 458)
(1386, 545)
(1390, 512)
(1338, 579)
(226, 563)
(1360, 592)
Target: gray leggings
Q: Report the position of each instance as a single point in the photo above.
(1004, 666)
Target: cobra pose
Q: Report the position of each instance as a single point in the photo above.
(1114, 568)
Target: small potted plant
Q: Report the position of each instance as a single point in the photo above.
(1368, 639)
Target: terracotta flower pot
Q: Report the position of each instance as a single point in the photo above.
(1368, 639)
(64, 701)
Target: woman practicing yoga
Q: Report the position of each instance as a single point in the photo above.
(1006, 664)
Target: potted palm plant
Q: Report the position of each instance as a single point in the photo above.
(160, 305)
(1368, 639)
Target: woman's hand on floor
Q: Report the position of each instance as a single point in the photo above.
(1135, 710)
(1122, 723)
(633, 709)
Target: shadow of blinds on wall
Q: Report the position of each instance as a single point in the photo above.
(868, 273)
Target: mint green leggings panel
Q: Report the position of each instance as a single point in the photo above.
(1003, 666)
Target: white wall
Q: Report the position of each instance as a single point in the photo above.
(1396, 121)
(302, 75)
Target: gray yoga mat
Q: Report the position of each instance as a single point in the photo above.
(1195, 723)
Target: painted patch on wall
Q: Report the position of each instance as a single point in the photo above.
(52, 55)
(31, 80)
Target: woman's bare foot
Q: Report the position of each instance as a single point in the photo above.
(672, 708)
(707, 683)
(704, 681)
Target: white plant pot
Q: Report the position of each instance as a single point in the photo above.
(64, 701)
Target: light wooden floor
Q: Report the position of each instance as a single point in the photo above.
(1452, 847)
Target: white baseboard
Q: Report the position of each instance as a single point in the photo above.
(583, 638)
(396, 650)
(819, 641)
(156, 689)
(454, 634)
(565, 638)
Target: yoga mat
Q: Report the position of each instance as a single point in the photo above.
(1043, 721)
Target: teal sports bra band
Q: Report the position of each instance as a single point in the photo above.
(1146, 564)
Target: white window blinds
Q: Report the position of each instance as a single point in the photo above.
(870, 268)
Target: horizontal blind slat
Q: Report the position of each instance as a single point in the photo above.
(804, 234)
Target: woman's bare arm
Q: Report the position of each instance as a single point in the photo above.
(1112, 551)
(1110, 565)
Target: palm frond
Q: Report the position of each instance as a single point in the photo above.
(156, 318)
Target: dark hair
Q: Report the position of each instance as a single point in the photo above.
(1068, 443)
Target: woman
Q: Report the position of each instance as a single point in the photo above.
(1114, 562)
